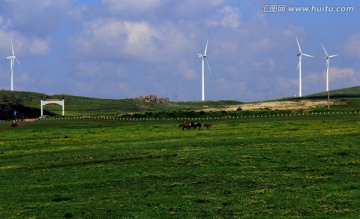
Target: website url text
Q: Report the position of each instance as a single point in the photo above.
(274, 8)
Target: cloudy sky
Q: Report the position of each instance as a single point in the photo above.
(128, 48)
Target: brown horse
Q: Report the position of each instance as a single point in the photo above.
(208, 126)
(185, 125)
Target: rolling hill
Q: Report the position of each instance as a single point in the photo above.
(351, 92)
(27, 104)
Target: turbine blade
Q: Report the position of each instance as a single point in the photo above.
(12, 47)
(207, 41)
(327, 55)
(17, 61)
(298, 45)
(333, 55)
(208, 66)
(308, 55)
(299, 63)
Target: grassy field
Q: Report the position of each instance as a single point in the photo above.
(79, 106)
(244, 168)
(27, 105)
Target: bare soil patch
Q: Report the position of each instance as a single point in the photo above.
(281, 105)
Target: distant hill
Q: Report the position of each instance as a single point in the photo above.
(351, 92)
(27, 104)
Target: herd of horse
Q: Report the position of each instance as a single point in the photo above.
(193, 125)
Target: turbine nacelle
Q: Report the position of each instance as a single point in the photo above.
(327, 56)
(202, 56)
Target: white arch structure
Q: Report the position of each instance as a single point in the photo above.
(59, 102)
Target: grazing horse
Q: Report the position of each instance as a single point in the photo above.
(195, 125)
(185, 125)
(208, 126)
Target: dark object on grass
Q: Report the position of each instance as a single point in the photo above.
(208, 126)
(195, 125)
(14, 123)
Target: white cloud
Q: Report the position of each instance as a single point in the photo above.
(4, 23)
(99, 71)
(39, 18)
(122, 86)
(140, 36)
(352, 46)
(112, 38)
(39, 46)
(265, 65)
(258, 45)
(191, 6)
(341, 73)
(142, 46)
(286, 83)
(88, 70)
(132, 6)
(24, 78)
(338, 78)
(292, 31)
(226, 17)
(186, 71)
(23, 45)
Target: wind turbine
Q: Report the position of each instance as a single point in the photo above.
(203, 59)
(327, 58)
(300, 54)
(12, 59)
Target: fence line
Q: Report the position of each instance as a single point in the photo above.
(277, 115)
(207, 118)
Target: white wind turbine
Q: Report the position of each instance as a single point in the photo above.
(203, 59)
(300, 54)
(12, 59)
(327, 58)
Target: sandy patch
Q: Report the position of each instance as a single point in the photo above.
(286, 105)
(280, 105)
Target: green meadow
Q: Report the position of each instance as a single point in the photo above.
(300, 166)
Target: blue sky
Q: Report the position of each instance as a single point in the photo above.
(123, 49)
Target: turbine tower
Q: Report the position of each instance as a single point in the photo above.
(327, 58)
(203, 59)
(12, 59)
(300, 55)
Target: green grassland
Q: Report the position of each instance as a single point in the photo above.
(301, 166)
(246, 166)
(79, 106)
(27, 104)
(353, 92)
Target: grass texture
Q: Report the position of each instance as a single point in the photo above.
(260, 168)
